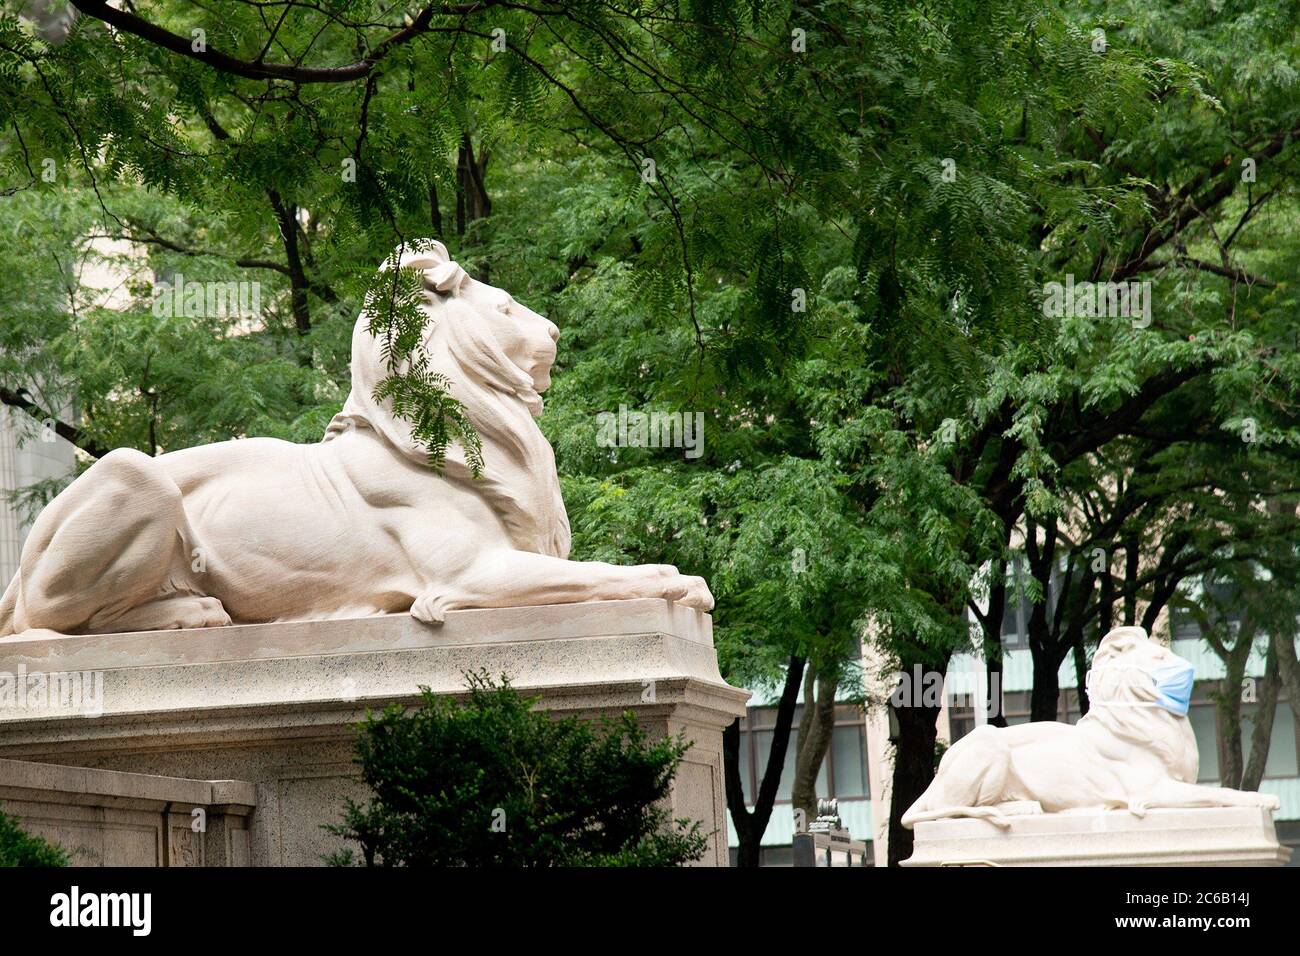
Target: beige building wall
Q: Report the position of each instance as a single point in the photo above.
(28, 454)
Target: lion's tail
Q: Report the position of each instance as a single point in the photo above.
(993, 814)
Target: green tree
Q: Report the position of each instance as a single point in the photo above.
(826, 227)
(492, 782)
(19, 848)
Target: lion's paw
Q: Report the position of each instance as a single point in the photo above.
(430, 608)
(174, 612)
(690, 590)
(210, 612)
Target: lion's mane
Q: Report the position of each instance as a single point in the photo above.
(518, 479)
(1121, 698)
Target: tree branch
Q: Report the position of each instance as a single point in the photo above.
(22, 400)
(131, 23)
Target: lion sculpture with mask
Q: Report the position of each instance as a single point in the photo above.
(258, 530)
(1133, 750)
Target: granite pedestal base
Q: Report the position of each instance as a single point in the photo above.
(1208, 836)
(276, 704)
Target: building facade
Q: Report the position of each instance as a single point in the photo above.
(29, 454)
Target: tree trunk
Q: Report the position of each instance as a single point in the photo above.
(747, 852)
(1131, 568)
(993, 668)
(287, 217)
(1081, 676)
(460, 193)
(815, 731)
(472, 200)
(1229, 704)
(435, 211)
(1288, 668)
(1045, 698)
(1106, 608)
(914, 766)
(1262, 737)
(750, 825)
(992, 622)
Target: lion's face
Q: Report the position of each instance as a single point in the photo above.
(496, 355)
(1124, 664)
(528, 339)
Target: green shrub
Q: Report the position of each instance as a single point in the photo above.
(18, 848)
(490, 782)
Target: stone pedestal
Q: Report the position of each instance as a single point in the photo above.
(110, 818)
(276, 704)
(1208, 836)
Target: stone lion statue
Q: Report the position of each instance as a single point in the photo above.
(1133, 750)
(258, 530)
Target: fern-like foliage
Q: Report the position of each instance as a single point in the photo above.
(419, 395)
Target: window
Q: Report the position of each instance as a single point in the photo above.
(848, 757)
(1185, 625)
(961, 721)
(1281, 760)
(843, 773)
(1015, 707)
(1204, 718)
(1015, 615)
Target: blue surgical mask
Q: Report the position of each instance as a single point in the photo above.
(1173, 682)
(1174, 685)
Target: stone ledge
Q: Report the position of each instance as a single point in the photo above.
(22, 780)
(609, 652)
(687, 700)
(1203, 836)
(47, 651)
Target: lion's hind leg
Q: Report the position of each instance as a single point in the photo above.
(103, 547)
(972, 781)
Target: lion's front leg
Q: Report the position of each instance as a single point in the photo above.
(506, 578)
(1174, 793)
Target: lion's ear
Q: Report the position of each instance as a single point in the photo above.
(1123, 638)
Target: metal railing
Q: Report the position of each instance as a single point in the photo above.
(826, 842)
